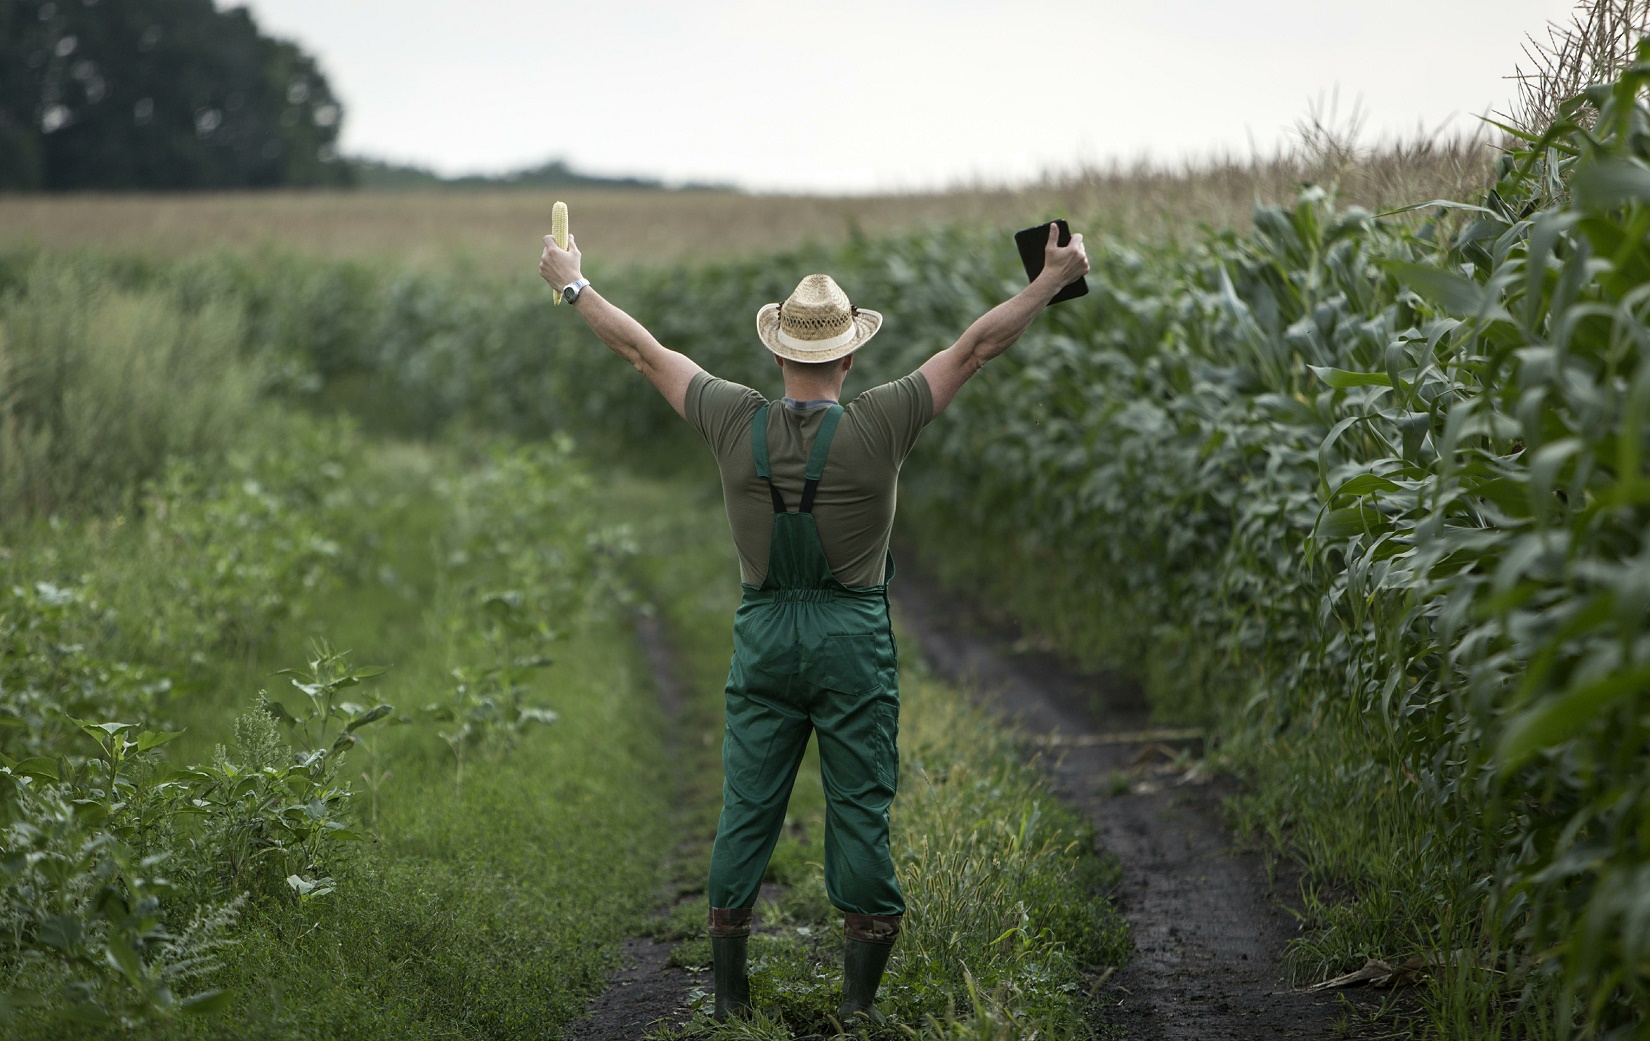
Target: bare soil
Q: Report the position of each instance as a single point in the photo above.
(1208, 928)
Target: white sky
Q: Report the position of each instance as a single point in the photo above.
(865, 95)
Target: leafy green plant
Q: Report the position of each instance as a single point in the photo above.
(84, 920)
(81, 897)
(89, 923)
(49, 675)
(247, 542)
(327, 673)
(488, 708)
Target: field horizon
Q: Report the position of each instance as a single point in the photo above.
(496, 231)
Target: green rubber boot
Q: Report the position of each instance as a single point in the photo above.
(870, 940)
(733, 986)
(730, 935)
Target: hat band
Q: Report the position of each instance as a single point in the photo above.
(839, 340)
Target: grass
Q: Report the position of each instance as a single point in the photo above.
(92, 396)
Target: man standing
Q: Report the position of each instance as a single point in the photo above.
(810, 487)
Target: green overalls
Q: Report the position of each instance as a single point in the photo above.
(809, 655)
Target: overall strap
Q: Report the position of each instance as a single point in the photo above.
(816, 460)
(759, 450)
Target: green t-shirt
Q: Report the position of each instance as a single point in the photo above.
(854, 507)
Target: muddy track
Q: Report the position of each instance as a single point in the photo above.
(647, 993)
(1207, 926)
(1208, 931)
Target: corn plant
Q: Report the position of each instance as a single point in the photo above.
(1503, 555)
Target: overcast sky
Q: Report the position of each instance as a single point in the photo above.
(888, 94)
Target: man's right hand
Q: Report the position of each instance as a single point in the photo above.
(996, 330)
(1063, 265)
(560, 267)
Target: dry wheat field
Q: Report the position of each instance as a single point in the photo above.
(497, 231)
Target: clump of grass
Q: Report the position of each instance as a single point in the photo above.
(99, 387)
(1002, 882)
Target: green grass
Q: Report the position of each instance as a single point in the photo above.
(100, 385)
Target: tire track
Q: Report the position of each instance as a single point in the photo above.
(1208, 931)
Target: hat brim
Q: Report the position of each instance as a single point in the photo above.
(866, 324)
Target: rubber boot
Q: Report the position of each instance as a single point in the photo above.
(870, 940)
(730, 933)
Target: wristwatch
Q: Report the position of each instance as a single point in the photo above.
(570, 293)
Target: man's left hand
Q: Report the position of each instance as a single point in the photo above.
(557, 266)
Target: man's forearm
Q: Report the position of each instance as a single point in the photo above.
(624, 335)
(669, 371)
(995, 331)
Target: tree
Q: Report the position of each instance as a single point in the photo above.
(158, 94)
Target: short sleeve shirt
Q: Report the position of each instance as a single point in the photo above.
(854, 507)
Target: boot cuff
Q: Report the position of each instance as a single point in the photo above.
(730, 921)
(872, 928)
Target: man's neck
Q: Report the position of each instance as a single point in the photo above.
(813, 390)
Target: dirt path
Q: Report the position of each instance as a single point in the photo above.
(1208, 932)
(646, 992)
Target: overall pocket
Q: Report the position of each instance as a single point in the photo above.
(853, 663)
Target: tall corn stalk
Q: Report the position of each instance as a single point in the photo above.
(1593, 48)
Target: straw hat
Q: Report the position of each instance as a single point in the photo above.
(815, 323)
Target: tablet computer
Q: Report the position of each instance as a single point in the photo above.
(1031, 242)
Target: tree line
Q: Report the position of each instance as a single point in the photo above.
(159, 95)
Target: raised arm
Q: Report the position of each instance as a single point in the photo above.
(669, 371)
(995, 331)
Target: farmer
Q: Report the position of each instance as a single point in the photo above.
(810, 486)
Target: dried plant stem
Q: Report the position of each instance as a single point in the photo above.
(1593, 48)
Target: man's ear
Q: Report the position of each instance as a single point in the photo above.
(847, 363)
(777, 360)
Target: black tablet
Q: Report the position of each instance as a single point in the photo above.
(1031, 243)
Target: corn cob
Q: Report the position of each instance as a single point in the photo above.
(558, 231)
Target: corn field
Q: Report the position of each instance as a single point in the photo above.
(1366, 493)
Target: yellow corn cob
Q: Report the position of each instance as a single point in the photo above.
(558, 231)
